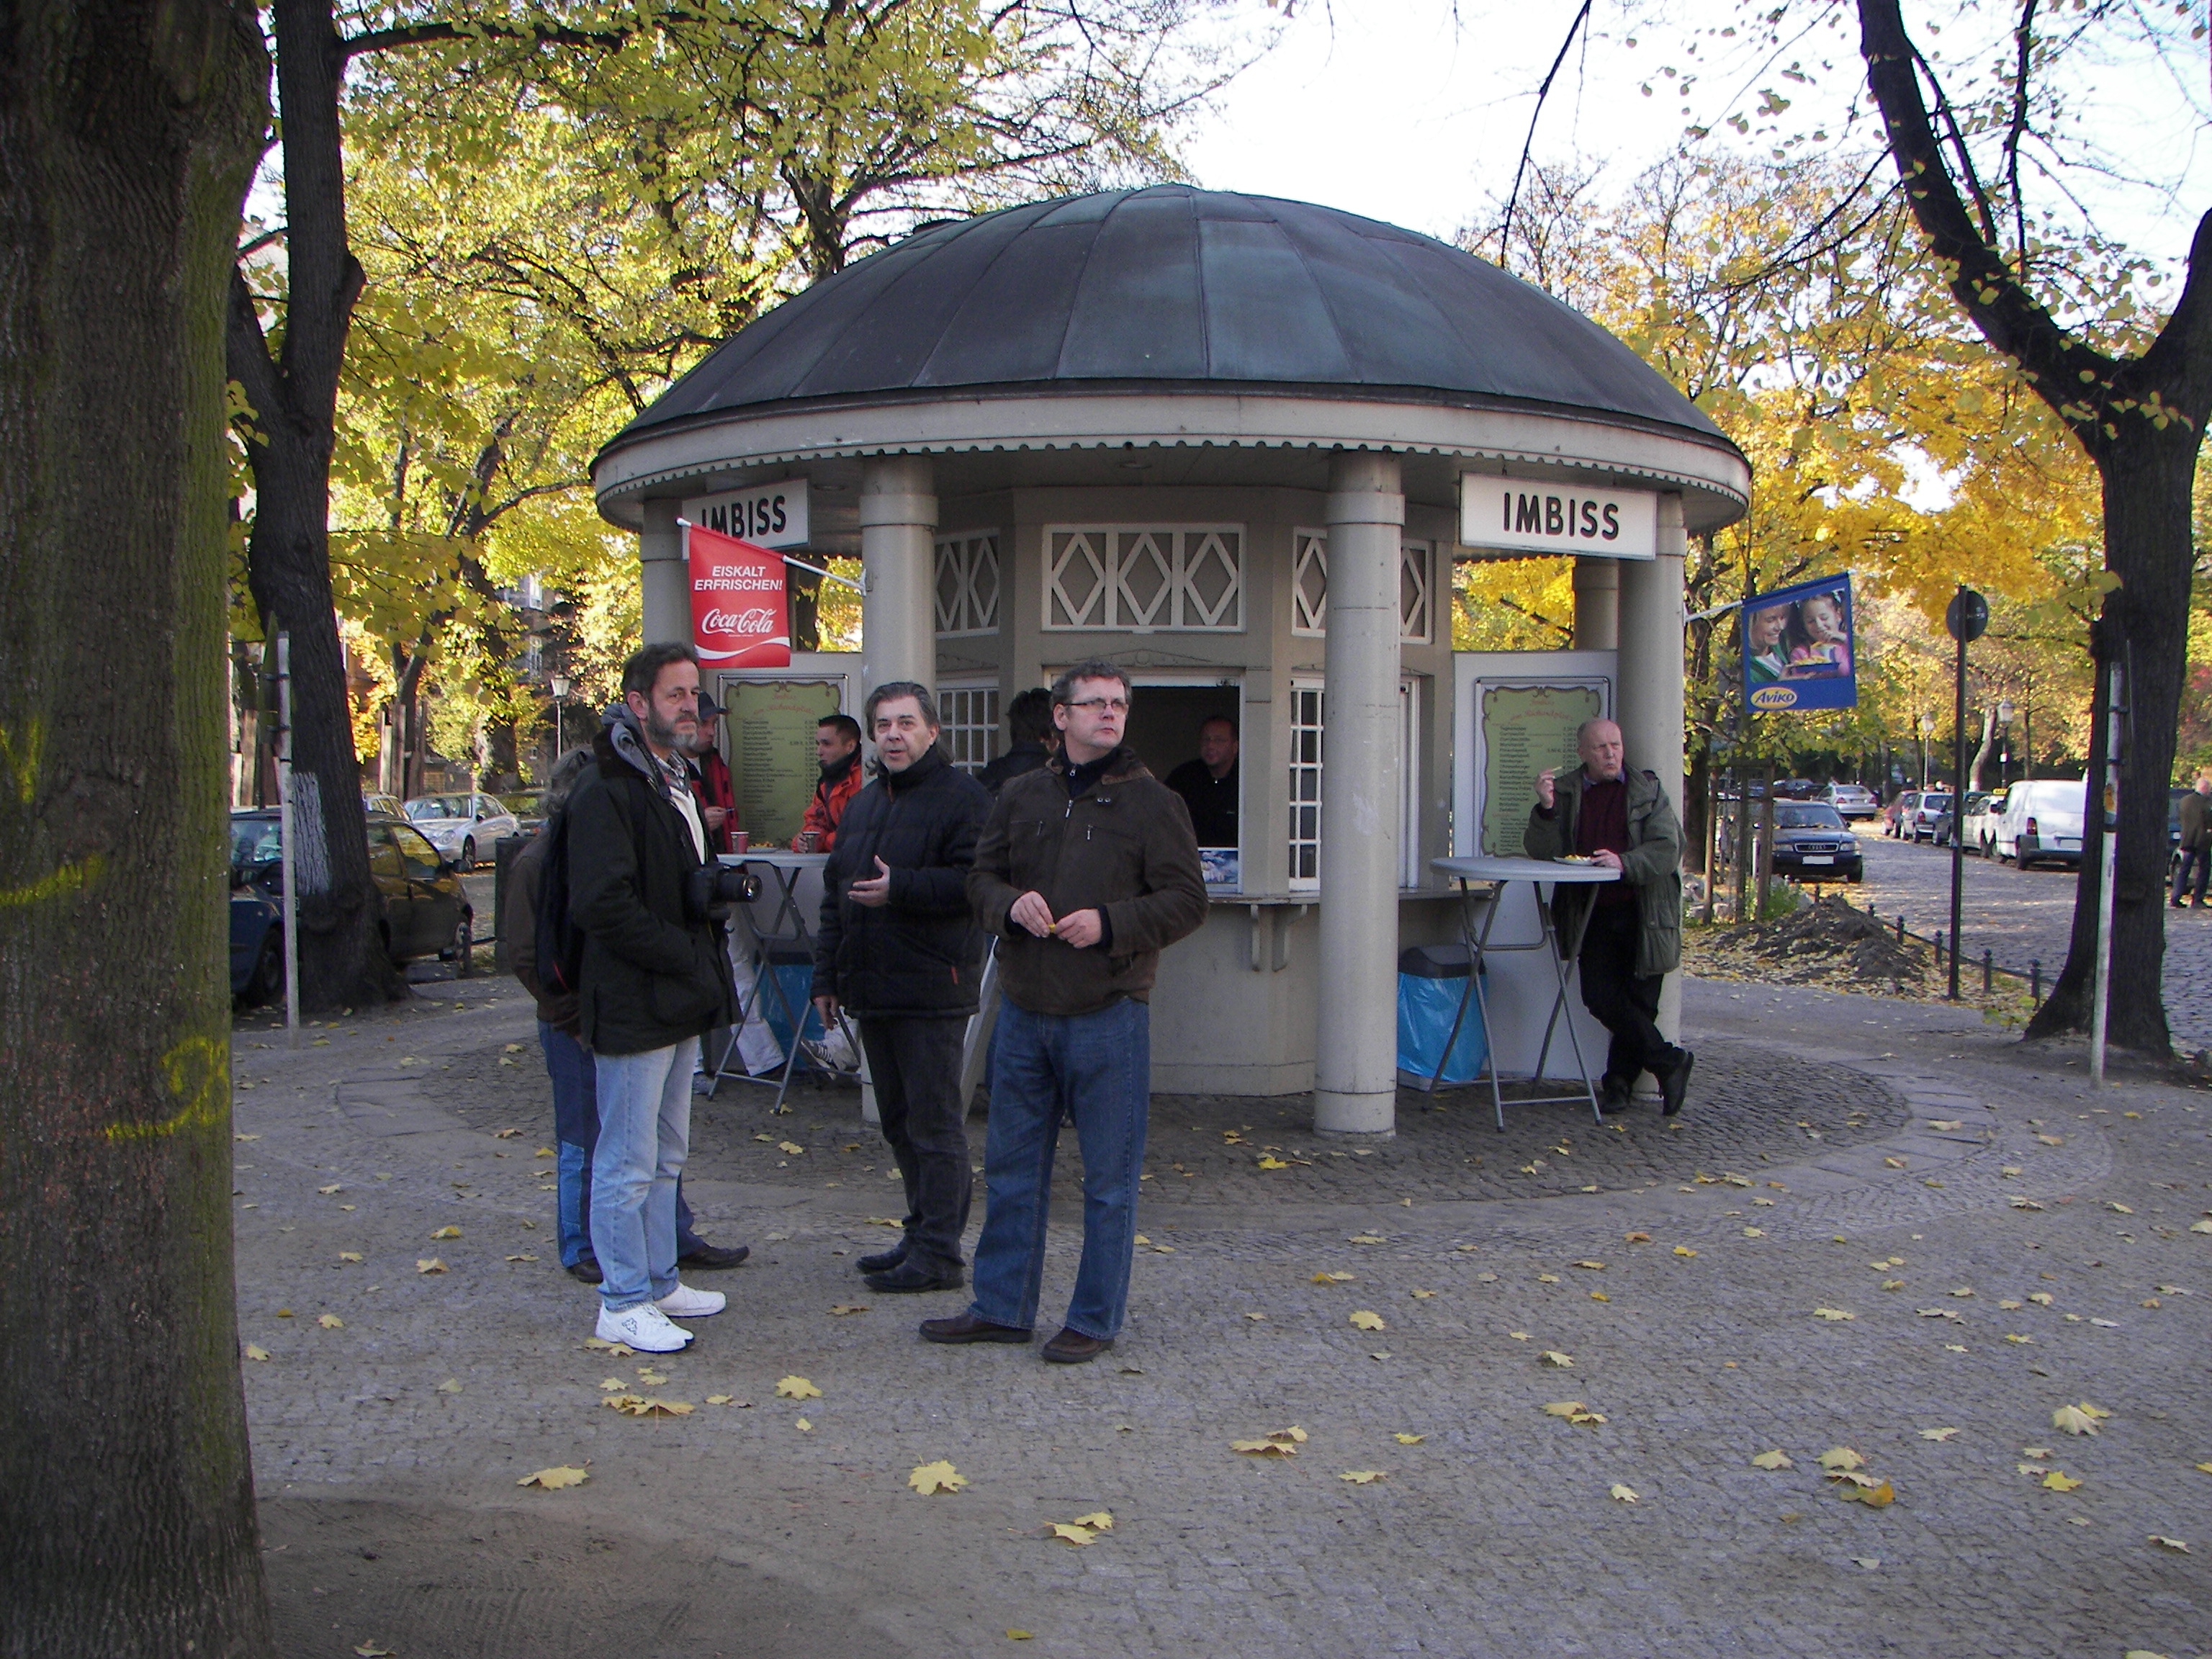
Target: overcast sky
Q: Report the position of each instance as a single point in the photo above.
(1414, 111)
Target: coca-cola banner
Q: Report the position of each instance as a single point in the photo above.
(740, 606)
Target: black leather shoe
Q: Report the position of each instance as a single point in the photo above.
(587, 1271)
(882, 1260)
(1613, 1096)
(1674, 1087)
(911, 1276)
(966, 1327)
(708, 1258)
(1073, 1348)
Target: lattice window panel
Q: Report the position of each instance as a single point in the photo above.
(970, 728)
(967, 585)
(1305, 785)
(1187, 579)
(1309, 588)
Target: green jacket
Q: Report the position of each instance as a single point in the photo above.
(1652, 864)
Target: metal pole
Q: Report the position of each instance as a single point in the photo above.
(1958, 804)
(285, 842)
(2116, 696)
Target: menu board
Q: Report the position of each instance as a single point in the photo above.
(1524, 730)
(771, 732)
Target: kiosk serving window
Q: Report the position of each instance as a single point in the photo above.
(1306, 698)
(1169, 727)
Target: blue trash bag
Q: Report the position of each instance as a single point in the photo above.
(1432, 979)
(796, 981)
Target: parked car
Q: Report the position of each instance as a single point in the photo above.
(1919, 824)
(462, 826)
(383, 803)
(1852, 800)
(1798, 789)
(425, 911)
(528, 806)
(2042, 821)
(1947, 822)
(1894, 816)
(1812, 843)
(1980, 830)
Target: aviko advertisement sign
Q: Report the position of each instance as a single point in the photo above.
(1515, 515)
(767, 515)
(1799, 648)
(740, 602)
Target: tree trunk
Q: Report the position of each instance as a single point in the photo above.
(294, 396)
(2147, 498)
(128, 132)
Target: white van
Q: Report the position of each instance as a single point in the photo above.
(2042, 821)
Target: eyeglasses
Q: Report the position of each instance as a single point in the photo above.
(1115, 705)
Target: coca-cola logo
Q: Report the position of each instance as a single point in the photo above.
(758, 620)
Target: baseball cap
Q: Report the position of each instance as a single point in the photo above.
(708, 708)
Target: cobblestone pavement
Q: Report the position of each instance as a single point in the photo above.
(2024, 916)
(1980, 1175)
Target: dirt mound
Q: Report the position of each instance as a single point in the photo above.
(1824, 943)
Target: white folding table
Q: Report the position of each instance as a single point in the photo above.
(1498, 873)
(784, 868)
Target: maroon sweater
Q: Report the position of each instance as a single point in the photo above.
(1602, 826)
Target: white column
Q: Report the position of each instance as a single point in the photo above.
(1356, 1032)
(666, 579)
(898, 543)
(1597, 604)
(1650, 683)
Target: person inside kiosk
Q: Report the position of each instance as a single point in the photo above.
(1208, 785)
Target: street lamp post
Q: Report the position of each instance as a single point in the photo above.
(1966, 620)
(2004, 749)
(558, 683)
(1926, 729)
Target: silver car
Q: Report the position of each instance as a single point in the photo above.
(1852, 800)
(462, 828)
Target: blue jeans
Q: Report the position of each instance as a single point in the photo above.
(645, 1133)
(576, 1133)
(1095, 1069)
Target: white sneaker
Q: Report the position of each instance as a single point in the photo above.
(644, 1327)
(685, 1302)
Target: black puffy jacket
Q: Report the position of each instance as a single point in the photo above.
(652, 976)
(921, 954)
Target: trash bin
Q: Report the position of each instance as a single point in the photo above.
(1432, 979)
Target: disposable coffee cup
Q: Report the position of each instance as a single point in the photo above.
(744, 839)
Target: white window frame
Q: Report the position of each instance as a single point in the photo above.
(972, 562)
(1416, 588)
(1112, 554)
(1309, 713)
(970, 710)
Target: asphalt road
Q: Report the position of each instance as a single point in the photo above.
(2024, 916)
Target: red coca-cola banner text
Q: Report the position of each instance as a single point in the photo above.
(740, 605)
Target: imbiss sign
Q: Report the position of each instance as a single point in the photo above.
(767, 515)
(1517, 516)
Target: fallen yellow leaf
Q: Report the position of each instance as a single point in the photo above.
(1422, 1295)
(1623, 1494)
(599, 1344)
(446, 1232)
(429, 1264)
(1363, 1477)
(1020, 1636)
(330, 1322)
(939, 1477)
(1938, 1435)
(631, 1405)
(2073, 1420)
(1273, 1164)
(804, 1427)
(1564, 1408)
(721, 1399)
(1098, 1521)
(451, 1385)
(1409, 1439)
(1833, 1314)
(349, 1256)
(2059, 1480)
(1070, 1533)
(1684, 1251)
(1594, 1266)
(1841, 1457)
(1777, 1458)
(1367, 1320)
(1366, 1238)
(333, 1188)
(1636, 1238)
(797, 1388)
(1331, 1278)
(555, 1479)
(255, 1351)
(2165, 1543)
(790, 1148)
(844, 1307)
(1880, 1496)
(1553, 1357)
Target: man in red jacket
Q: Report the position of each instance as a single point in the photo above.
(837, 748)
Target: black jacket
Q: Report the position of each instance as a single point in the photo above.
(651, 975)
(1124, 847)
(1026, 756)
(921, 954)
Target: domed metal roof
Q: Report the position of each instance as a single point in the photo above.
(1148, 290)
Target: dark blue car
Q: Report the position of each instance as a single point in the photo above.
(424, 910)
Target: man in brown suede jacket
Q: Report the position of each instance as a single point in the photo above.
(1085, 871)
